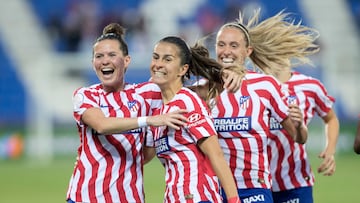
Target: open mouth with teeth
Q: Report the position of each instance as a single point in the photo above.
(158, 73)
(107, 71)
(227, 60)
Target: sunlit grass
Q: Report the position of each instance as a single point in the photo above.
(31, 182)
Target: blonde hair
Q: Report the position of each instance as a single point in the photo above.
(278, 42)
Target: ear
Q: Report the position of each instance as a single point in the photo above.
(93, 65)
(183, 70)
(127, 60)
(249, 50)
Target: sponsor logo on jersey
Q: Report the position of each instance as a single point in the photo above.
(254, 198)
(195, 120)
(232, 124)
(133, 106)
(274, 124)
(292, 99)
(244, 102)
(137, 130)
(194, 117)
(162, 145)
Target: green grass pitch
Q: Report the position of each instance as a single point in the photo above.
(32, 182)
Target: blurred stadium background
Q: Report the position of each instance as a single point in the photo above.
(45, 54)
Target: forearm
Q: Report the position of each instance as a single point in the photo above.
(332, 134)
(113, 125)
(302, 134)
(96, 119)
(225, 176)
(221, 168)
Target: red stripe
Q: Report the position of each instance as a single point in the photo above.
(94, 172)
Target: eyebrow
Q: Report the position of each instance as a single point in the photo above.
(166, 55)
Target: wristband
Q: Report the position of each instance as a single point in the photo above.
(142, 121)
(235, 199)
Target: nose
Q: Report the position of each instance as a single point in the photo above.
(156, 64)
(105, 60)
(226, 50)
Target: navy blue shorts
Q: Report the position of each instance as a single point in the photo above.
(252, 195)
(302, 194)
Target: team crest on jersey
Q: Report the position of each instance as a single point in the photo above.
(292, 99)
(133, 106)
(244, 102)
(162, 145)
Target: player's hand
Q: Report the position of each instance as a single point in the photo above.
(328, 165)
(232, 80)
(174, 119)
(296, 115)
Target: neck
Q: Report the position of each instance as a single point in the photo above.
(283, 76)
(117, 88)
(169, 92)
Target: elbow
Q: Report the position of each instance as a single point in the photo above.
(149, 154)
(357, 148)
(99, 129)
(300, 140)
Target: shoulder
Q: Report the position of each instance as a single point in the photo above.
(263, 80)
(302, 79)
(189, 99)
(146, 86)
(186, 92)
(259, 76)
(89, 89)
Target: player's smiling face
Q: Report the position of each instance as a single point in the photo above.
(110, 64)
(231, 47)
(166, 69)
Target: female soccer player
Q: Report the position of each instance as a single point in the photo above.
(279, 44)
(243, 118)
(111, 117)
(192, 157)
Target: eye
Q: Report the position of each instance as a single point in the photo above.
(168, 59)
(220, 44)
(112, 54)
(155, 56)
(97, 56)
(234, 45)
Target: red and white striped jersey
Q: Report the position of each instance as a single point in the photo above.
(290, 167)
(110, 167)
(242, 122)
(188, 173)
